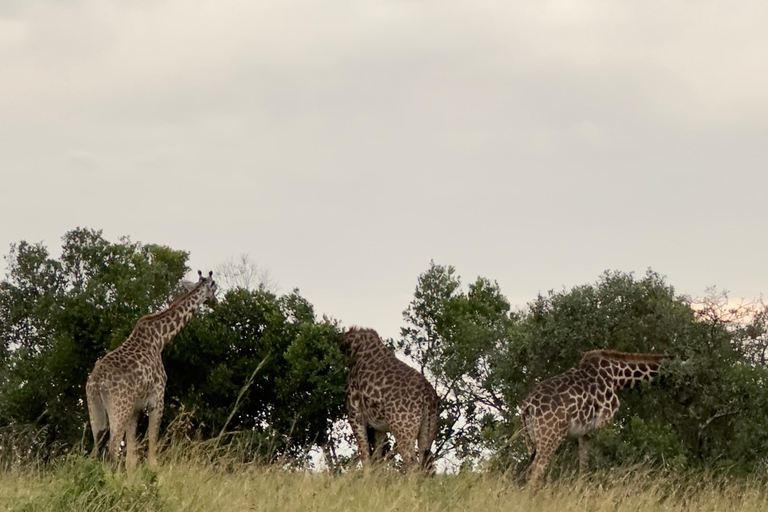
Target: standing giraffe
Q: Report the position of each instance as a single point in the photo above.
(578, 402)
(131, 378)
(386, 395)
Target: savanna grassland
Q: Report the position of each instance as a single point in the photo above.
(79, 483)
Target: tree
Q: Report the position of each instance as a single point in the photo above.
(295, 396)
(452, 335)
(242, 272)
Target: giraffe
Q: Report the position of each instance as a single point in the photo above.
(131, 378)
(578, 402)
(386, 395)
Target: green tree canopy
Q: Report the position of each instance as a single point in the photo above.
(298, 391)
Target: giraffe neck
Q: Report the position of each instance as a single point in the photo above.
(622, 369)
(630, 372)
(366, 343)
(163, 326)
(373, 350)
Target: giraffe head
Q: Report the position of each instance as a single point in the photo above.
(208, 287)
(205, 286)
(356, 341)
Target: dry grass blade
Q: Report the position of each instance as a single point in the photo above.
(240, 396)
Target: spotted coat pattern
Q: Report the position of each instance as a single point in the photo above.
(131, 379)
(386, 395)
(579, 401)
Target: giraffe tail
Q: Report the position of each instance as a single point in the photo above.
(428, 433)
(98, 416)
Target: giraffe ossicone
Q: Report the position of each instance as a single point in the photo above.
(386, 395)
(131, 379)
(578, 402)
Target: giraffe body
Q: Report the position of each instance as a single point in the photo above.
(578, 402)
(386, 395)
(131, 379)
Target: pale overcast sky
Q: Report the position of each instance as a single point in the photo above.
(344, 144)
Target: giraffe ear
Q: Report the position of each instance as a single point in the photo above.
(188, 285)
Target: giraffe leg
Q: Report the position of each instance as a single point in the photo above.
(584, 446)
(153, 431)
(116, 433)
(547, 439)
(405, 449)
(405, 440)
(131, 450)
(97, 413)
(541, 463)
(360, 431)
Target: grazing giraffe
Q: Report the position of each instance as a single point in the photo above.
(579, 401)
(386, 395)
(131, 378)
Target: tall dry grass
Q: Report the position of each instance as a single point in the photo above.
(217, 476)
(191, 478)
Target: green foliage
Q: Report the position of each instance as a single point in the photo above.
(639, 441)
(295, 396)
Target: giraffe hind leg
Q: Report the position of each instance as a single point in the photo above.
(547, 439)
(116, 435)
(360, 431)
(153, 431)
(97, 413)
(540, 465)
(405, 443)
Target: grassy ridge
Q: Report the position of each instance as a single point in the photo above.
(78, 483)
